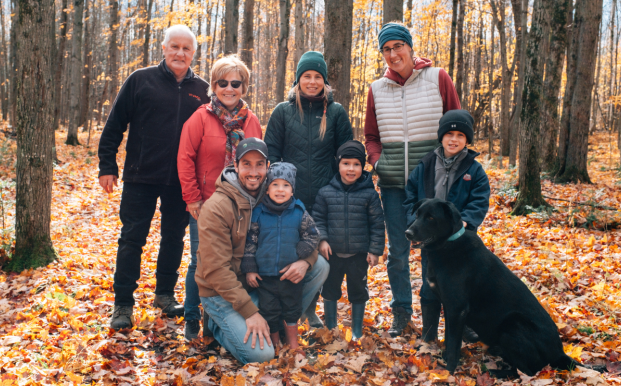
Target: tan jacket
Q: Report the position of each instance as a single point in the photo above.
(222, 226)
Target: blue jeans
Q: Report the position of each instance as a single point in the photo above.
(427, 296)
(229, 327)
(398, 265)
(192, 300)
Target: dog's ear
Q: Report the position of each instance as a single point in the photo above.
(418, 205)
(451, 213)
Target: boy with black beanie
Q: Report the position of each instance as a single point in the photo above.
(350, 219)
(450, 173)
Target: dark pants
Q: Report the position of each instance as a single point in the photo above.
(138, 203)
(279, 300)
(355, 268)
(427, 296)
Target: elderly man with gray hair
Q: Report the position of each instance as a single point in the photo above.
(153, 103)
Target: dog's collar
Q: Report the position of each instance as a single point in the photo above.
(457, 235)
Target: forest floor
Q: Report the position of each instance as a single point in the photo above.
(54, 320)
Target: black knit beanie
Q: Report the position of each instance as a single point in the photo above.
(351, 149)
(457, 120)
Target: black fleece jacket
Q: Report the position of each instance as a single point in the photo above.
(351, 221)
(155, 107)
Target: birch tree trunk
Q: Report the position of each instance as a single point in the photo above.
(337, 45)
(35, 54)
(587, 22)
(231, 23)
(529, 179)
(76, 73)
(283, 49)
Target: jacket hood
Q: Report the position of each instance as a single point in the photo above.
(235, 191)
(291, 97)
(419, 64)
(365, 181)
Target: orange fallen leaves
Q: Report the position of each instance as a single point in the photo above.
(54, 320)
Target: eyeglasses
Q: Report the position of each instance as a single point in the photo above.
(224, 83)
(397, 48)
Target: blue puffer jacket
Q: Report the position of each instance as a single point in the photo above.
(278, 237)
(351, 221)
(469, 193)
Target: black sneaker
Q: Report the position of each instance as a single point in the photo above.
(191, 329)
(122, 317)
(206, 331)
(400, 320)
(169, 305)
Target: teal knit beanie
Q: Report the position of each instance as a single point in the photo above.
(312, 60)
(394, 31)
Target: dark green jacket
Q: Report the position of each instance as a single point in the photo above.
(291, 139)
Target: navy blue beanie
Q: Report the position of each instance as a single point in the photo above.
(394, 31)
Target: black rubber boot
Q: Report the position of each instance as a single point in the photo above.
(329, 310)
(431, 319)
(400, 320)
(357, 319)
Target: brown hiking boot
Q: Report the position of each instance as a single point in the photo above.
(122, 317)
(169, 305)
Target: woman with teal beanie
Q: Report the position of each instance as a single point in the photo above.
(306, 130)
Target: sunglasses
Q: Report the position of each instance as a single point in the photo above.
(224, 83)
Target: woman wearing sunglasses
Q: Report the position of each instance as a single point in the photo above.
(208, 144)
(306, 130)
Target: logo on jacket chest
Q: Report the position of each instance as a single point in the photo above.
(467, 177)
(195, 96)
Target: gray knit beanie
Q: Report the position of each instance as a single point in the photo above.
(282, 170)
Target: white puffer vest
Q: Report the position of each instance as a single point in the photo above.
(408, 119)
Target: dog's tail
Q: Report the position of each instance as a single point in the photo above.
(567, 363)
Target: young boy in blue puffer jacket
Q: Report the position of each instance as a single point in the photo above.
(450, 173)
(350, 220)
(281, 232)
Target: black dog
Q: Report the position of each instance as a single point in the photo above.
(478, 290)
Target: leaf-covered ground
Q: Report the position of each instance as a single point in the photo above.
(53, 320)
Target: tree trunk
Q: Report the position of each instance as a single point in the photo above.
(3, 69)
(588, 19)
(337, 46)
(563, 139)
(498, 12)
(490, 132)
(231, 23)
(88, 62)
(460, 49)
(60, 60)
(529, 179)
(113, 51)
(100, 107)
(198, 56)
(409, 14)
(35, 49)
(299, 32)
(452, 44)
(147, 36)
(13, 65)
(283, 50)
(520, 17)
(247, 51)
(554, 71)
(76, 73)
(393, 10)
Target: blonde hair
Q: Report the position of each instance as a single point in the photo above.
(326, 90)
(226, 65)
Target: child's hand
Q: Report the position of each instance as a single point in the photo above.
(325, 250)
(372, 259)
(251, 278)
